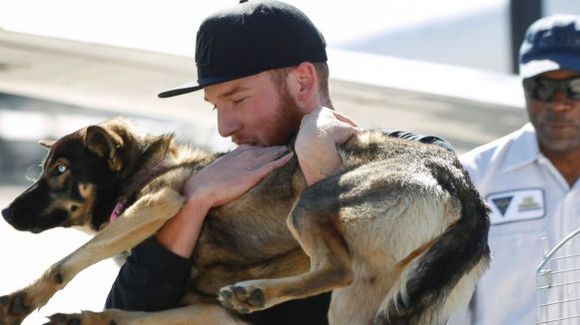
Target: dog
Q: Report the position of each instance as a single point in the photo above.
(398, 233)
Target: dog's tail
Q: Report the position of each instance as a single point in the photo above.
(442, 274)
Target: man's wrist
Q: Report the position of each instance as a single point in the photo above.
(180, 233)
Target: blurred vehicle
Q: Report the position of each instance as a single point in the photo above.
(26, 120)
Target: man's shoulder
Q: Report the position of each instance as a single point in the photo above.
(429, 139)
(483, 157)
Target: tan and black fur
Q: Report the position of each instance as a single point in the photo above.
(398, 234)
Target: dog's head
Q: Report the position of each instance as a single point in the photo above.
(78, 182)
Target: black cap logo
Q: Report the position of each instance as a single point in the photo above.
(204, 50)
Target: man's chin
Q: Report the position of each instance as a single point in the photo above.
(560, 143)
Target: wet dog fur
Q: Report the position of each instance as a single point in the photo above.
(398, 234)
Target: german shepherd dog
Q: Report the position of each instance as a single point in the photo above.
(398, 234)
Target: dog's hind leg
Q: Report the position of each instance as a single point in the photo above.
(199, 314)
(434, 282)
(313, 223)
(137, 223)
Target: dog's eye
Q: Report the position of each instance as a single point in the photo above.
(61, 169)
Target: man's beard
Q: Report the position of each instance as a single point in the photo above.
(287, 121)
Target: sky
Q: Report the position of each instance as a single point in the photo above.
(169, 25)
(473, 33)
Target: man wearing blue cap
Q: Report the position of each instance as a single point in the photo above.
(530, 178)
(262, 66)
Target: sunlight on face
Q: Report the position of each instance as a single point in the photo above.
(254, 111)
(557, 121)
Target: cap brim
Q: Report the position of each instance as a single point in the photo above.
(180, 90)
(549, 63)
(197, 85)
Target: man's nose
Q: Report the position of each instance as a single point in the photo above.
(560, 101)
(228, 125)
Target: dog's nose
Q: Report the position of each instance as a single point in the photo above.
(7, 214)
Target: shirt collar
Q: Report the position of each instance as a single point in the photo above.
(523, 150)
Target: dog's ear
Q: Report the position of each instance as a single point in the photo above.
(105, 144)
(47, 143)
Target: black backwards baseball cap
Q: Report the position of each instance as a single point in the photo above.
(551, 43)
(250, 38)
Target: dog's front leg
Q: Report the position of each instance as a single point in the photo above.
(137, 223)
(198, 314)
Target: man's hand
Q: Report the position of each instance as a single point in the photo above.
(225, 179)
(235, 173)
(320, 132)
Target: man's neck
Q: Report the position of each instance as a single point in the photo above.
(566, 162)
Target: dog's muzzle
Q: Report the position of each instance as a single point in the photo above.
(7, 214)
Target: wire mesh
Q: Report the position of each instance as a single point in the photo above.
(558, 284)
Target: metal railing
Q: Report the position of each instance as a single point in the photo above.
(558, 283)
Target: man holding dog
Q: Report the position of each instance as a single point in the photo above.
(262, 65)
(530, 178)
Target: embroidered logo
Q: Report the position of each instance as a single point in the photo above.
(529, 203)
(204, 50)
(502, 203)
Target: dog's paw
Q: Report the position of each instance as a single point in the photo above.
(65, 319)
(85, 318)
(245, 297)
(14, 308)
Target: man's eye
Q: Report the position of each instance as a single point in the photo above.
(237, 101)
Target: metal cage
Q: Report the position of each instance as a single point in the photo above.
(558, 283)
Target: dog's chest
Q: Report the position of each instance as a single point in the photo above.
(245, 233)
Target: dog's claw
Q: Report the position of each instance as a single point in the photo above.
(243, 298)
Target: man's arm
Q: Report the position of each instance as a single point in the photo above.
(152, 279)
(319, 134)
(323, 129)
(224, 180)
(154, 275)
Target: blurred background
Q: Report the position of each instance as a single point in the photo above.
(441, 67)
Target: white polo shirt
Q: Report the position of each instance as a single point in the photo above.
(529, 200)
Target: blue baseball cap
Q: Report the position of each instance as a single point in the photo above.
(249, 38)
(551, 43)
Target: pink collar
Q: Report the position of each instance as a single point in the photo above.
(117, 211)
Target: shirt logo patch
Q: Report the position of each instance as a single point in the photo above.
(502, 203)
(516, 205)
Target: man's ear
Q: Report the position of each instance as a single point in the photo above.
(305, 85)
(47, 143)
(105, 144)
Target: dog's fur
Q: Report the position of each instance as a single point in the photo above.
(399, 234)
